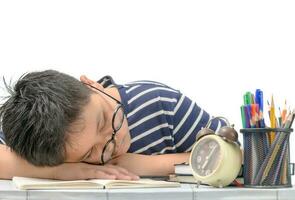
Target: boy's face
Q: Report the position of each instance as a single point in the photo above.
(91, 132)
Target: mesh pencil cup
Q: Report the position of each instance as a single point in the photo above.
(267, 157)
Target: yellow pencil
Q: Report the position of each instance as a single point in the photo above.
(272, 120)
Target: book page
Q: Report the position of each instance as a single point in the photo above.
(142, 183)
(36, 183)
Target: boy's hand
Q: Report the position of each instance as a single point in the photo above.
(72, 171)
(135, 163)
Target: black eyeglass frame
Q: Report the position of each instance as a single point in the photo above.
(115, 130)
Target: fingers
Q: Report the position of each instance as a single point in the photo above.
(103, 175)
(109, 172)
(122, 173)
(75, 171)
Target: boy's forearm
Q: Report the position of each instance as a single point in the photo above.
(151, 165)
(12, 165)
(163, 165)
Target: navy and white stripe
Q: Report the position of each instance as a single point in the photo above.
(161, 119)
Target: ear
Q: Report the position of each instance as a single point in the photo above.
(85, 79)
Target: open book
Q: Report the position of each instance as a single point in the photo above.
(38, 184)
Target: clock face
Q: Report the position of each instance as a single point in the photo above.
(206, 156)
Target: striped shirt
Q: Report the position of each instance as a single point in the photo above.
(161, 119)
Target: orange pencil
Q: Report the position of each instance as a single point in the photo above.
(254, 114)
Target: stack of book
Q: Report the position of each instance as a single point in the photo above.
(183, 174)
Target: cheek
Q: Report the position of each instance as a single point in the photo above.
(123, 134)
(98, 142)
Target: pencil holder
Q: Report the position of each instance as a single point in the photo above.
(267, 157)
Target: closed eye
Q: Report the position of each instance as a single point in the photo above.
(88, 154)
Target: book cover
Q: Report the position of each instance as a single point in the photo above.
(183, 169)
(182, 179)
(37, 184)
(238, 182)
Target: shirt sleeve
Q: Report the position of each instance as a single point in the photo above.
(188, 120)
(2, 138)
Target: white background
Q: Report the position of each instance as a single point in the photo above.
(213, 51)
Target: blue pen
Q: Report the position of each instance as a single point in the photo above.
(259, 101)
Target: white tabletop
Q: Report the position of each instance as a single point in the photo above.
(185, 192)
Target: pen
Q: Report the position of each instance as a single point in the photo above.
(259, 101)
(247, 98)
(243, 117)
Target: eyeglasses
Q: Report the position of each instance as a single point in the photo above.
(117, 122)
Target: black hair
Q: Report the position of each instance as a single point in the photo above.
(38, 114)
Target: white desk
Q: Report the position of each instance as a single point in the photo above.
(185, 192)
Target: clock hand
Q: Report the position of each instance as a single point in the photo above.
(207, 157)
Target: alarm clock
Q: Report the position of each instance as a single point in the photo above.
(216, 158)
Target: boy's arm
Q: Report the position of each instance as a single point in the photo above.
(12, 165)
(150, 165)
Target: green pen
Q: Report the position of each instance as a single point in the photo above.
(243, 116)
(247, 98)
